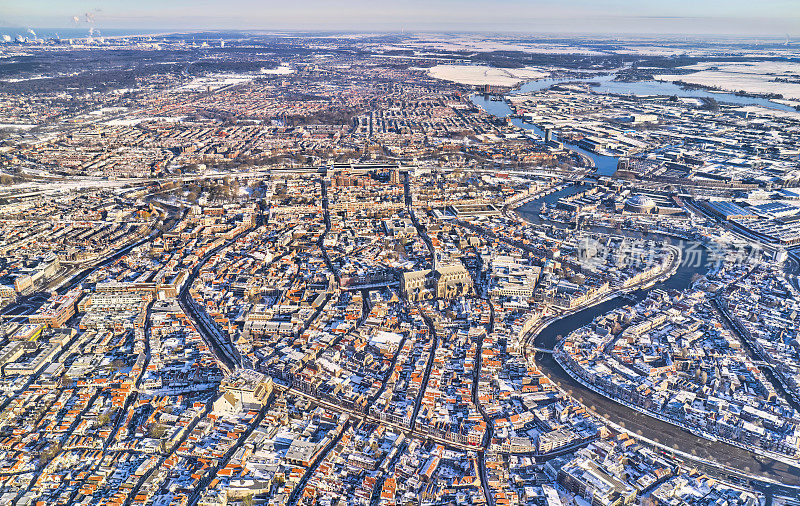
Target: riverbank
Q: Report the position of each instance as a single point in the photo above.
(604, 165)
(558, 356)
(675, 451)
(660, 86)
(726, 461)
(607, 296)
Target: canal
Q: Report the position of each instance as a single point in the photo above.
(694, 263)
(607, 84)
(607, 165)
(531, 209)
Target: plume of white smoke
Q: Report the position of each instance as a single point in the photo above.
(6, 38)
(30, 30)
(88, 18)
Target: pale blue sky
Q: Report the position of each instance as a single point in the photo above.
(744, 17)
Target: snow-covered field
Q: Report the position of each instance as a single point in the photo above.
(482, 44)
(213, 82)
(752, 77)
(477, 75)
(793, 115)
(17, 126)
(283, 69)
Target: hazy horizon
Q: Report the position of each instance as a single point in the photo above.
(775, 18)
(46, 32)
